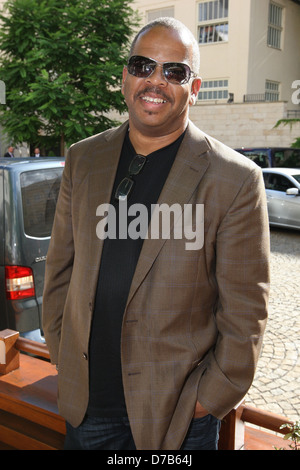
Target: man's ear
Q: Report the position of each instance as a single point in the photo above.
(196, 85)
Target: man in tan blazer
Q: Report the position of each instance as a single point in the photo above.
(156, 338)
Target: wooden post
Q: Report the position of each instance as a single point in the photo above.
(232, 434)
(9, 355)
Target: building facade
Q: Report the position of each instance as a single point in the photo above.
(250, 66)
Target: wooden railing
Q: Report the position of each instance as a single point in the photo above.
(29, 417)
(32, 347)
(238, 435)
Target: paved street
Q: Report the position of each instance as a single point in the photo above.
(276, 387)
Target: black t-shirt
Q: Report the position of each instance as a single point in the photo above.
(118, 263)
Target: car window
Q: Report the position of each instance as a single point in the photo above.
(39, 189)
(260, 157)
(297, 177)
(288, 158)
(278, 157)
(277, 182)
(266, 180)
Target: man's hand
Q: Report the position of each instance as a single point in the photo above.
(200, 411)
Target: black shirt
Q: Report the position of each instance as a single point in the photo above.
(118, 263)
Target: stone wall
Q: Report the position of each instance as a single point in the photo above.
(246, 124)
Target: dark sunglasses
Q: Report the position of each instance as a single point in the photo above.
(174, 72)
(124, 188)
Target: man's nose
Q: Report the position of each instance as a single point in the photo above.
(157, 77)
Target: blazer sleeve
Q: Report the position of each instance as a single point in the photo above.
(59, 266)
(242, 273)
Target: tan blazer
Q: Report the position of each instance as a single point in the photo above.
(194, 320)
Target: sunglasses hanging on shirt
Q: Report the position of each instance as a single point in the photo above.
(125, 187)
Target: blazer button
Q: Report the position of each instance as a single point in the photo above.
(85, 356)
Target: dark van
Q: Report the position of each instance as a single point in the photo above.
(273, 157)
(28, 194)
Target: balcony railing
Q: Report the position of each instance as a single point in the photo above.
(255, 98)
(293, 114)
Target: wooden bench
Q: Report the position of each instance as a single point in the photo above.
(29, 418)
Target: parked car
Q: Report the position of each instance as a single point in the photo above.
(273, 157)
(283, 196)
(28, 195)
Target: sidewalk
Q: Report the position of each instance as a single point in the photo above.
(276, 386)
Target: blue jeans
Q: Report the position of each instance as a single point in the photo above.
(115, 434)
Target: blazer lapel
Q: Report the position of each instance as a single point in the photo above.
(188, 169)
(101, 179)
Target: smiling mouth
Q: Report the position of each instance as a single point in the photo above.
(148, 99)
(153, 95)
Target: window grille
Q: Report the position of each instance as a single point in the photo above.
(213, 21)
(272, 91)
(213, 90)
(275, 25)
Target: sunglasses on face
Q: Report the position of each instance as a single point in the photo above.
(126, 185)
(176, 73)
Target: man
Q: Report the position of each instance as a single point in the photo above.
(36, 153)
(9, 153)
(155, 340)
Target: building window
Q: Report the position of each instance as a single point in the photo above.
(213, 90)
(163, 12)
(272, 91)
(275, 25)
(213, 21)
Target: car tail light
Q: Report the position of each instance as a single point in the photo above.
(19, 282)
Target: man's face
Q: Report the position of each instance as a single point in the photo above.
(157, 107)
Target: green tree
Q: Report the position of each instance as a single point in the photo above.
(290, 122)
(62, 66)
